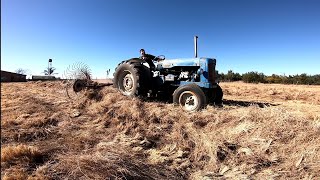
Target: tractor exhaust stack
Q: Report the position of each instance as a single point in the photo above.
(195, 46)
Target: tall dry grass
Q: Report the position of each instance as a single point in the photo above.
(107, 135)
(273, 92)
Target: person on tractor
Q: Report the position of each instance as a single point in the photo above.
(148, 58)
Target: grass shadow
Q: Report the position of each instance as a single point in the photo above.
(247, 103)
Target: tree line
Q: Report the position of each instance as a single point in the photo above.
(258, 77)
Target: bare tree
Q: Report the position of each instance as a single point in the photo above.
(21, 71)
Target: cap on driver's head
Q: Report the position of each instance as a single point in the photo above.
(142, 50)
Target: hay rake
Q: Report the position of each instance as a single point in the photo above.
(78, 80)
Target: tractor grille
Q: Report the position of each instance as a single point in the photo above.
(211, 72)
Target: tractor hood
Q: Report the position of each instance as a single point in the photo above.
(182, 62)
(178, 62)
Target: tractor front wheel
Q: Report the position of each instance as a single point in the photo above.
(190, 97)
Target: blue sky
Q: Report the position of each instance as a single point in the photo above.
(269, 36)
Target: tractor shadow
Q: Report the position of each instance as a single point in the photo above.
(247, 103)
(225, 102)
(163, 99)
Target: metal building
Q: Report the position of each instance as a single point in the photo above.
(44, 78)
(12, 77)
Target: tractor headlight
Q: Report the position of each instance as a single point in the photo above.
(200, 71)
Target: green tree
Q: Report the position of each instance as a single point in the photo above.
(49, 71)
(253, 77)
(237, 77)
(274, 79)
(230, 76)
(221, 76)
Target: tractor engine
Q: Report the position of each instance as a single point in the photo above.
(183, 71)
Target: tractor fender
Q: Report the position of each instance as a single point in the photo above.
(135, 60)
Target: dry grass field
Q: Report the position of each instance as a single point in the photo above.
(262, 132)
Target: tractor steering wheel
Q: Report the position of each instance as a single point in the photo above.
(160, 58)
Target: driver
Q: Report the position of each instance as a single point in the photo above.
(148, 58)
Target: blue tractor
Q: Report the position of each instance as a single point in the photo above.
(192, 83)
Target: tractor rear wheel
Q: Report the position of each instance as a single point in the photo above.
(190, 97)
(127, 78)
